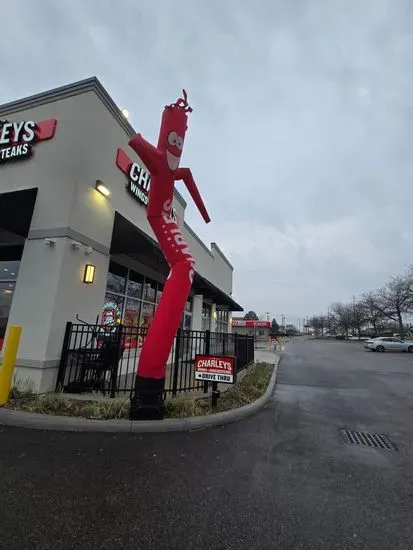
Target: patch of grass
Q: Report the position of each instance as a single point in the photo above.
(247, 390)
(58, 404)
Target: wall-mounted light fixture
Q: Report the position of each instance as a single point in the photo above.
(125, 113)
(89, 274)
(214, 314)
(102, 188)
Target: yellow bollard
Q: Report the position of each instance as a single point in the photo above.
(9, 362)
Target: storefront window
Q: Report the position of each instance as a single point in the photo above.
(222, 321)
(6, 297)
(116, 278)
(8, 277)
(149, 290)
(187, 321)
(147, 312)
(135, 285)
(188, 305)
(134, 295)
(159, 292)
(132, 311)
(206, 317)
(9, 270)
(112, 309)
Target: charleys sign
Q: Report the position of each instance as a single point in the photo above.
(17, 139)
(215, 368)
(138, 179)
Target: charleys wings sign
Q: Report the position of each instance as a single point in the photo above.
(138, 180)
(17, 139)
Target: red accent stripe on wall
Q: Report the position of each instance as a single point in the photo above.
(123, 161)
(46, 129)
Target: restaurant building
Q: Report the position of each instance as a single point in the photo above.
(70, 250)
(250, 327)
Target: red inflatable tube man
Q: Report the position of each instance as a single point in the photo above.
(163, 164)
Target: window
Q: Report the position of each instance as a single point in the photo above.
(188, 305)
(206, 317)
(132, 311)
(149, 290)
(112, 309)
(147, 312)
(8, 277)
(116, 278)
(159, 292)
(9, 270)
(130, 297)
(135, 285)
(222, 321)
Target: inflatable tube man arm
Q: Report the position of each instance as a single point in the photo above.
(185, 175)
(149, 155)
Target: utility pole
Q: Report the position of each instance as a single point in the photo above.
(354, 315)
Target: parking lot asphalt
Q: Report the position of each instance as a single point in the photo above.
(283, 478)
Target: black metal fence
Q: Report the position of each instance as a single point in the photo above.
(104, 359)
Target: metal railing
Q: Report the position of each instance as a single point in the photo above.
(101, 358)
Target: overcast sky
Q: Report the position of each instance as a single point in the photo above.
(301, 135)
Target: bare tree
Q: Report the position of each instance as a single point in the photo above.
(370, 302)
(396, 300)
(331, 323)
(317, 323)
(358, 317)
(343, 315)
(409, 278)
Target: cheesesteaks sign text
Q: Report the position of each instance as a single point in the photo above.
(17, 138)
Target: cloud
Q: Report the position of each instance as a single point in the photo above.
(300, 139)
(266, 247)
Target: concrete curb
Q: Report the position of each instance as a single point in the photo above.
(36, 421)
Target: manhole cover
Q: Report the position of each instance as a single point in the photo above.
(380, 441)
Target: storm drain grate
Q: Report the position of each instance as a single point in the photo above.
(380, 441)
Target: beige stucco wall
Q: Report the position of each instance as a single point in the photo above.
(66, 168)
(49, 289)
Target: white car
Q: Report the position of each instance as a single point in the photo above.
(388, 343)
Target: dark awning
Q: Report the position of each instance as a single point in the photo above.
(128, 239)
(212, 292)
(16, 210)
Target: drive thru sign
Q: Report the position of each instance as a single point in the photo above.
(215, 368)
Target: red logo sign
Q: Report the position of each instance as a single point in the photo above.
(250, 323)
(17, 138)
(139, 180)
(215, 368)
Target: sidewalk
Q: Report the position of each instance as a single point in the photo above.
(264, 356)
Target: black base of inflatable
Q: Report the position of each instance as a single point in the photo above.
(147, 401)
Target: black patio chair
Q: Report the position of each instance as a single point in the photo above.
(96, 363)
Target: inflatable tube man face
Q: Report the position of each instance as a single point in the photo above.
(174, 124)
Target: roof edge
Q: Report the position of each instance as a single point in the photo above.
(92, 84)
(198, 239)
(214, 246)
